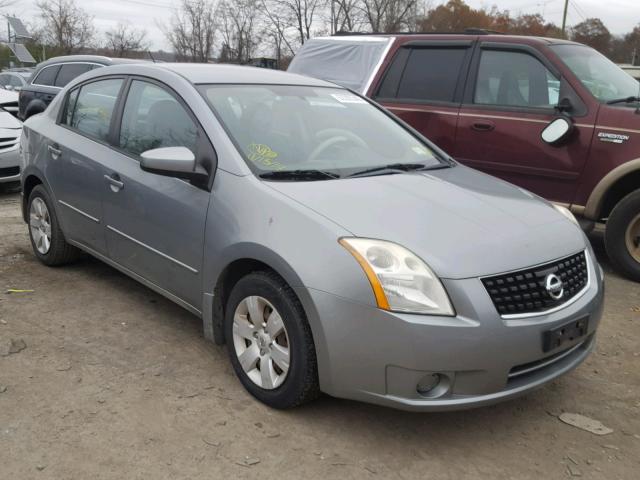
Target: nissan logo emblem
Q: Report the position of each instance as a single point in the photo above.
(554, 286)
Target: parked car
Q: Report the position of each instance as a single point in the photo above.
(632, 70)
(14, 80)
(486, 99)
(9, 101)
(332, 247)
(52, 75)
(10, 132)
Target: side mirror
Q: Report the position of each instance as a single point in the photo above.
(171, 162)
(557, 130)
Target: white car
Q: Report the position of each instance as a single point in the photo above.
(9, 101)
(10, 132)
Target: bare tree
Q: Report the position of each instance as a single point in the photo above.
(303, 13)
(278, 22)
(347, 15)
(192, 30)
(238, 21)
(66, 25)
(124, 39)
(390, 15)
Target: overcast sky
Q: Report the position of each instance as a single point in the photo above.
(620, 16)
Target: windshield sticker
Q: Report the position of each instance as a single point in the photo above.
(264, 156)
(347, 98)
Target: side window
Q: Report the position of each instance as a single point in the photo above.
(153, 118)
(69, 71)
(4, 81)
(69, 107)
(14, 81)
(514, 79)
(94, 107)
(47, 75)
(431, 74)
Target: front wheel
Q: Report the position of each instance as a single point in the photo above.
(270, 341)
(622, 236)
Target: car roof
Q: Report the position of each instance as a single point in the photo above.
(201, 73)
(471, 34)
(88, 58)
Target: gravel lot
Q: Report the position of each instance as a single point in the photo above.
(116, 382)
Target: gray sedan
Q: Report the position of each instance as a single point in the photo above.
(329, 245)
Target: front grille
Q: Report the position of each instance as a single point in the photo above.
(8, 142)
(525, 292)
(9, 171)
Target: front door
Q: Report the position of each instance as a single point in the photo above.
(155, 224)
(508, 102)
(77, 148)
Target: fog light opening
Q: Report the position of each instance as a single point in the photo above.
(433, 385)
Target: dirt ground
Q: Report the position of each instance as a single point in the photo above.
(116, 382)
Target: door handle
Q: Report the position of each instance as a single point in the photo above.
(54, 151)
(483, 126)
(115, 182)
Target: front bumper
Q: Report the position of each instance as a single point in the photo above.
(372, 355)
(10, 164)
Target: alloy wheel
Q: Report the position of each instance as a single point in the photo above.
(261, 342)
(40, 225)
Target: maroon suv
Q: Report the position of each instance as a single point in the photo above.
(553, 116)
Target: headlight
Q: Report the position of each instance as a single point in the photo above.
(565, 211)
(401, 281)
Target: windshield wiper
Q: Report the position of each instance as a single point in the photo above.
(299, 175)
(624, 100)
(398, 168)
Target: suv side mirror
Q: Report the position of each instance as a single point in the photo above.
(172, 162)
(557, 130)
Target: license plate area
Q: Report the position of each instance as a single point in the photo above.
(564, 334)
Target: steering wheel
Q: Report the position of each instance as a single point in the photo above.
(335, 136)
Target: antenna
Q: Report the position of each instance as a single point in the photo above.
(151, 56)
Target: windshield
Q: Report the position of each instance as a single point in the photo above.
(283, 128)
(604, 79)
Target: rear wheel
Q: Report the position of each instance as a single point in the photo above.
(622, 236)
(46, 236)
(270, 342)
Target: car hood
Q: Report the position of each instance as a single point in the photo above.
(463, 223)
(8, 96)
(9, 121)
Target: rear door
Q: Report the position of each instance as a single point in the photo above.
(78, 149)
(424, 84)
(509, 100)
(155, 224)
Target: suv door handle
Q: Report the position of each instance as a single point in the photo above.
(54, 151)
(483, 126)
(115, 182)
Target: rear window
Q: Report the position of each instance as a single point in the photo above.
(70, 71)
(347, 62)
(431, 74)
(93, 108)
(47, 75)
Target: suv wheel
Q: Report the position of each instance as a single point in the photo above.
(46, 237)
(270, 342)
(622, 236)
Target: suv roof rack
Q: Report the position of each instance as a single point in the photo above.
(466, 31)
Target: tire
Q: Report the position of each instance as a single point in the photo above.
(622, 236)
(59, 252)
(299, 384)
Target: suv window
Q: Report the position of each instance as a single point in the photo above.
(93, 108)
(514, 79)
(153, 118)
(69, 71)
(47, 75)
(431, 74)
